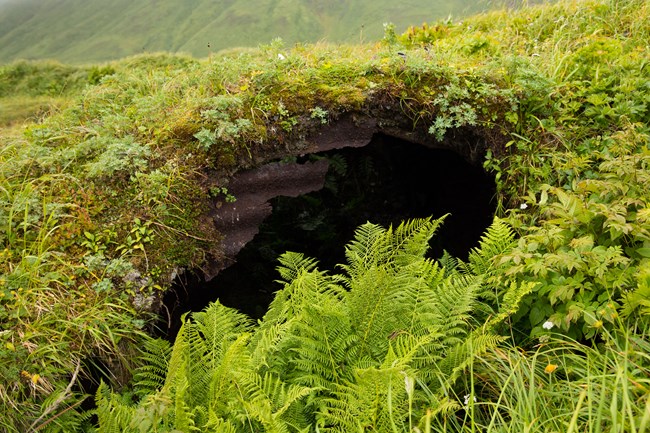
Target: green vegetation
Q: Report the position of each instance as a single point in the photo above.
(334, 351)
(83, 31)
(104, 188)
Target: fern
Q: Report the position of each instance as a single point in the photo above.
(498, 240)
(113, 415)
(374, 401)
(333, 353)
(366, 250)
(319, 344)
(376, 294)
(269, 401)
(460, 356)
(292, 263)
(410, 241)
(449, 263)
(150, 376)
(306, 284)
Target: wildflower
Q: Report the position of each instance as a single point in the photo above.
(523, 206)
(466, 399)
(598, 324)
(281, 56)
(548, 325)
(550, 368)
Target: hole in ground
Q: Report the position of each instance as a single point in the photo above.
(385, 182)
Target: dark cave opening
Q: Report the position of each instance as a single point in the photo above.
(385, 182)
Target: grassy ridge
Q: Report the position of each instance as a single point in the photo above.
(102, 202)
(89, 31)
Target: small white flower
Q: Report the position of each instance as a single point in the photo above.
(523, 206)
(466, 399)
(548, 325)
(281, 56)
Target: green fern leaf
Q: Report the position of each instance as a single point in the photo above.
(292, 263)
(497, 240)
(150, 376)
(370, 244)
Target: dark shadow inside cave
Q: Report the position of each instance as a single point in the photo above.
(385, 182)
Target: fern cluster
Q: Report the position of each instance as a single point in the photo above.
(370, 349)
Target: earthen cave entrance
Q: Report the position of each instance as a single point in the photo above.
(384, 182)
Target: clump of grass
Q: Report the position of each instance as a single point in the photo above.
(563, 385)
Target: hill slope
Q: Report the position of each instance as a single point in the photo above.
(92, 30)
(105, 199)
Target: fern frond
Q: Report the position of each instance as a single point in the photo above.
(390, 292)
(497, 240)
(268, 400)
(113, 414)
(216, 327)
(320, 344)
(410, 241)
(217, 424)
(460, 356)
(304, 289)
(266, 342)
(150, 376)
(223, 377)
(199, 351)
(374, 401)
(292, 263)
(369, 302)
(511, 300)
(414, 298)
(177, 366)
(637, 301)
(449, 263)
(455, 299)
(369, 246)
(183, 413)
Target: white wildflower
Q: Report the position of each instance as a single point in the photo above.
(466, 399)
(548, 325)
(523, 206)
(281, 56)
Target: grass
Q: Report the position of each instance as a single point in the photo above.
(105, 173)
(19, 109)
(90, 31)
(563, 385)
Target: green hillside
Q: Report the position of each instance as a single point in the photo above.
(84, 31)
(109, 175)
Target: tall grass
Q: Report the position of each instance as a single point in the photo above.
(49, 322)
(561, 386)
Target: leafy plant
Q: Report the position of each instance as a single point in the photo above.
(125, 155)
(332, 352)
